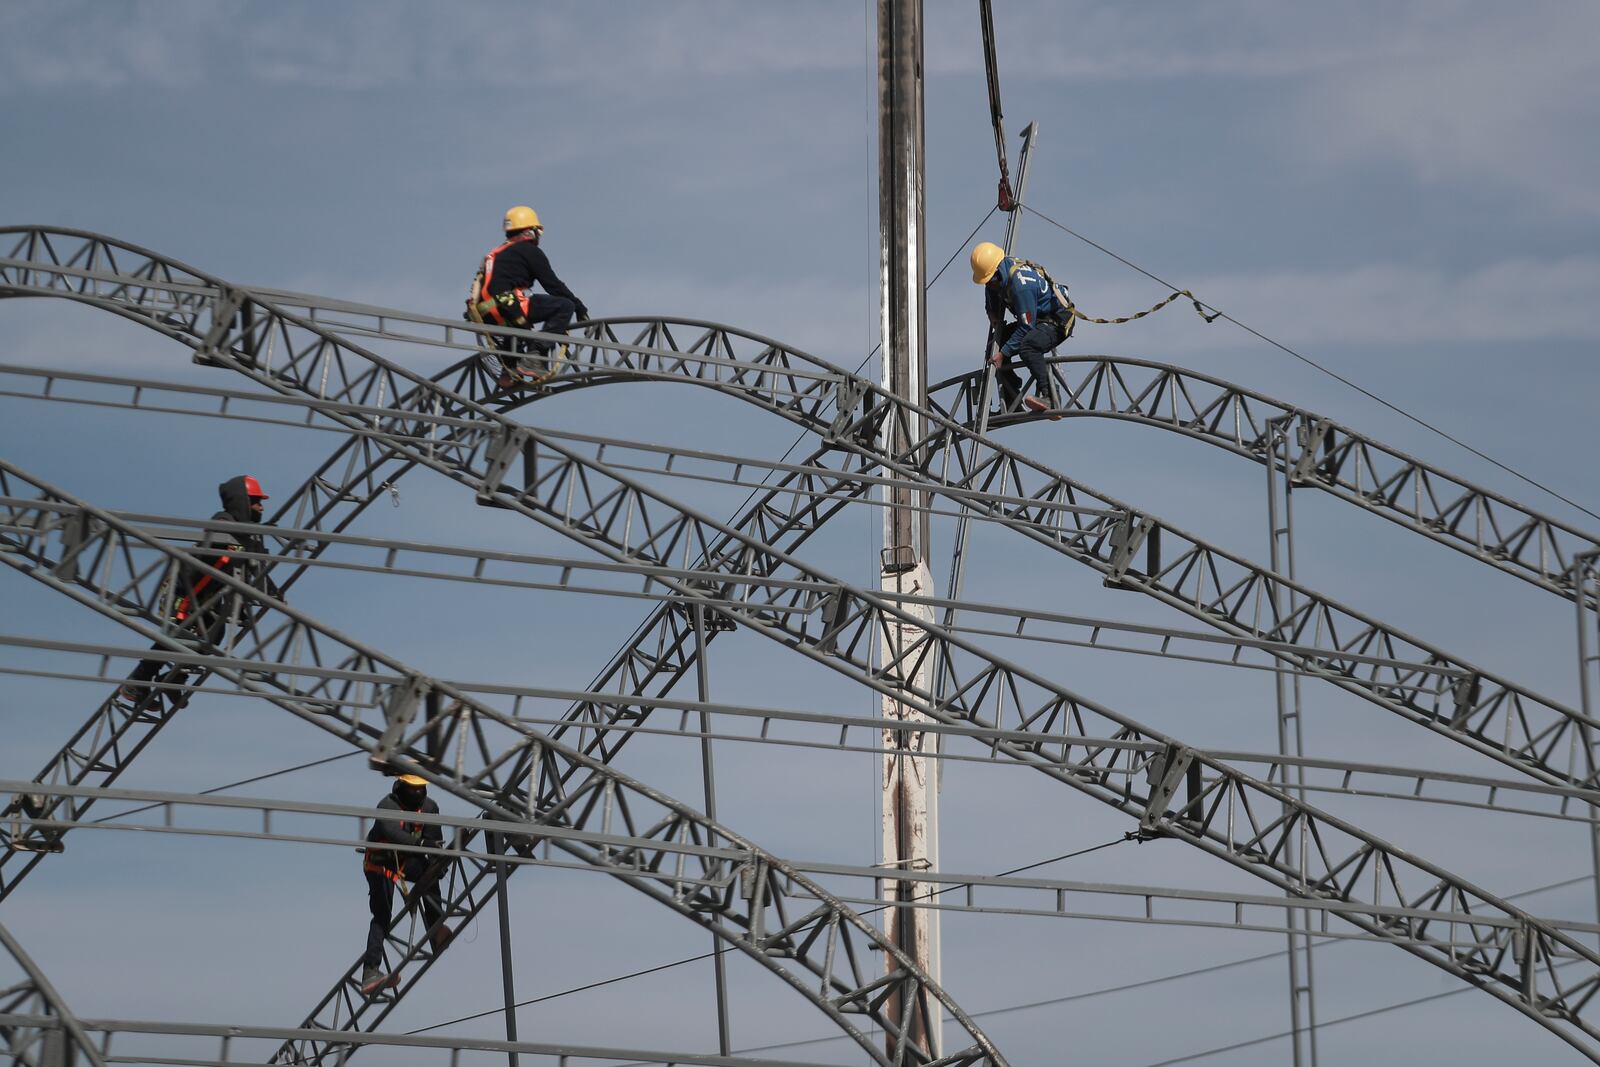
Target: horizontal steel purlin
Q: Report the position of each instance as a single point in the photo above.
(230, 1036)
(172, 806)
(295, 544)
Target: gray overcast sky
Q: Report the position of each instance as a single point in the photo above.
(1407, 192)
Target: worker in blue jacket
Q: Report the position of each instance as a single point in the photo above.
(1042, 319)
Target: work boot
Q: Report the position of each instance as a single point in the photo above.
(439, 938)
(372, 980)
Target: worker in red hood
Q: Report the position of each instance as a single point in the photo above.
(201, 606)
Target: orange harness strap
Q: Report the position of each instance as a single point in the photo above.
(182, 611)
(488, 274)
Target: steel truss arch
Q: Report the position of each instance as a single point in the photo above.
(1493, 716)
(485, 461)
(1355, 467)
(1515, 957)
(37, 1029)
(1352, 466)
(745, 904)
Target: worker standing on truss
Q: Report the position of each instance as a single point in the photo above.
(503, 295)
(1042, 320)
(202, 606)
(386, 868)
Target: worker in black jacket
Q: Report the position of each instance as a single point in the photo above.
(386, 868)
(201, 605)
(503, 295)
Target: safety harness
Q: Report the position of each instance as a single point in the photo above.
(1071, 315)
(181, 611)
(509, 308)
(372, 861)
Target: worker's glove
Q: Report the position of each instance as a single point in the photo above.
(582, 313)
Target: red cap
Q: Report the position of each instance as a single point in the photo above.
(252, 488)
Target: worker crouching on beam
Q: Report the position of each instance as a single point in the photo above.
(387, 868)
(503, 295)
(1042, 319)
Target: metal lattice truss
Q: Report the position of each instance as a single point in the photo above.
(1130, 548)
(1352, 466)
(1220, 810)
(504, 767)
(37, 1029)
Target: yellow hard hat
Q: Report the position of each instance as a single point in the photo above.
(986, 257)
(413, 779)
(522, 217)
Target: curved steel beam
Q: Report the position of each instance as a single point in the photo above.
(484, 459)
(1479, 522)
(1489, 714)
(822, 949)
(1356, 468)
(53, 1035)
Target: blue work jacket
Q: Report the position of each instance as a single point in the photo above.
(1025, 293)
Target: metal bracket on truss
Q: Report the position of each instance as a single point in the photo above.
(1465, 691)
(1131, 531)
(847, 395)
(1166, 771)
(229, 303)
(835, 616)
(502, 454)
(399, 709)
(1313, 438)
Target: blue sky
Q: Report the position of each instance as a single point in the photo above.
(1408, 193)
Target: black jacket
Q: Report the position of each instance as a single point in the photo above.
(398, 831)
(524, 263)
(219, 548)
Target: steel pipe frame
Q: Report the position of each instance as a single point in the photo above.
(505, 455)
(523, 782)
(636, 854)
(555, 1055)
(1220, 589)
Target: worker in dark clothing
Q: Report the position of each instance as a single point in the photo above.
(503, 295)
(386, 868)
(202, 606)
(1042, 320)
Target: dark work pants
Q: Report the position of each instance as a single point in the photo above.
(209, 624)
(550, 314)
(380, 901)
(1037, 343)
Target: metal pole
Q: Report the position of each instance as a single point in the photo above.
(909, 812)
(958, 562)
(708, 777)
(1302, 1000)
(1583, 569)
(508, 985)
